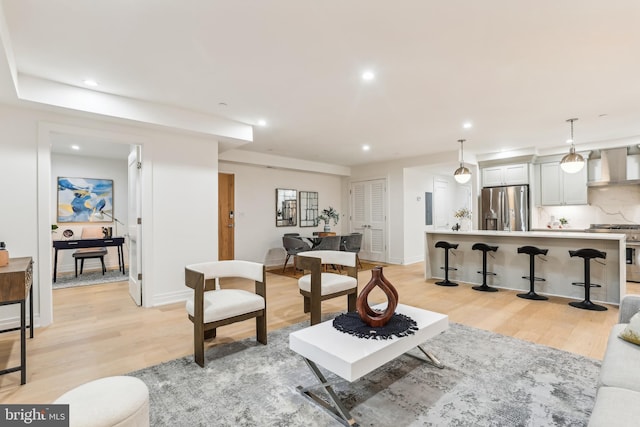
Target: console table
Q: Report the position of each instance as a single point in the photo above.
(88, 243)
(16, 279)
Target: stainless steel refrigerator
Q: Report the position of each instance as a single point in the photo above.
(505, 208)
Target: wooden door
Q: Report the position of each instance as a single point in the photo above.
(226, 216)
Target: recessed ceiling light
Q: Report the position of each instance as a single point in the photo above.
(366, 147)
(75, 147)
(262, 122)
(368, 76)
(90, 82)
(467, 125)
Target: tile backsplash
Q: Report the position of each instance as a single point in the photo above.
(607, 205)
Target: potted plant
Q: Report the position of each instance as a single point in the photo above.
(464, 215)
(327, 215)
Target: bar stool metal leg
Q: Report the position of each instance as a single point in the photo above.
(587, 255)
(484, 248)
(532, 251)
(446, 246)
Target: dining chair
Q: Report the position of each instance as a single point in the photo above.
(293, 245)
(352, 243)
(328, 243)
(211, 307)
(318, 286)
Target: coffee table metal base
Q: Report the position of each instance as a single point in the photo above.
(335, 407)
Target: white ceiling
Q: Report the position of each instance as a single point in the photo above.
(88, 146)
(517, 70)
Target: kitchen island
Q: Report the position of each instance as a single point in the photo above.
(557, 268)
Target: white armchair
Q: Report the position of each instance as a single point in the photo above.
(318, 286)
(211, 308)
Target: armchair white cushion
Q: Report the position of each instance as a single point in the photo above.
(212, 307)
(226, 303)
(318, 286)
(331, 283)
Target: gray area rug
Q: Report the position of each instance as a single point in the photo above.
(489, 380)
(90, 278)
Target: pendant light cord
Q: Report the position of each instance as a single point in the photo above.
(573, 147)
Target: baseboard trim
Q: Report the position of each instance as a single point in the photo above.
(171, 297)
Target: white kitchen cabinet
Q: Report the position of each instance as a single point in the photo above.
(516, 174)
(560, 188)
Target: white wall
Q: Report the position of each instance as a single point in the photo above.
(179, 190)
(18, 197)
(184, 211)
(398, 200)
(417, 181)
(256, 236)
(90, 167)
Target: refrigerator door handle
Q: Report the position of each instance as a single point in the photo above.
(505, 211)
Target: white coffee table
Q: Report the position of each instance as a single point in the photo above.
(351, 357)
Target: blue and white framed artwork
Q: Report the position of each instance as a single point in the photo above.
(85, 200)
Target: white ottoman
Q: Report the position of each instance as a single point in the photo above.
(106, 402)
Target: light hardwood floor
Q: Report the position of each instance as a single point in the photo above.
(98, 331)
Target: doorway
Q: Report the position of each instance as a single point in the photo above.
(368, 216)
(97, 141)
(226, 216)
(442, 204)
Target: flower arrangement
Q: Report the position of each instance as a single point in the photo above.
(462, 213)
(327, 215)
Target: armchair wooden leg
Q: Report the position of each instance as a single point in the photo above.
(316, 311)
(351, 302)
(261, 328)
(198, 344)
(211, 333)
(307, 304)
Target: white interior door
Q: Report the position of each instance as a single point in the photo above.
(442, 203)
(368, 216)
(134, 224)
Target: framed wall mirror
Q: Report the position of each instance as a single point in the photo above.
(308, 208)
(286, 208)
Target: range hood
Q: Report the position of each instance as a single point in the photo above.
(613, 166)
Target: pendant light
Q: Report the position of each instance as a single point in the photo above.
(462, 174)
(572, 162)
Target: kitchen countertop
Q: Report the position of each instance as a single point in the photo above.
(578, 230)
(559, 269)
(575, 234)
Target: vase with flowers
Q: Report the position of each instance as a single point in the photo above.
(464, 216)
(327, 215)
